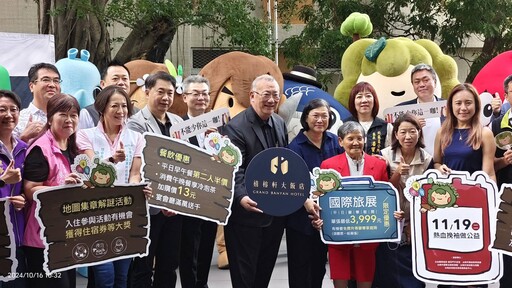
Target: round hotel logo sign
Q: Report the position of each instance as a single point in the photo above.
(278, 180)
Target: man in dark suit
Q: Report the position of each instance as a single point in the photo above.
(424, 81)
(114, 74)
(252, 237)
(197, 236)
(165, 230)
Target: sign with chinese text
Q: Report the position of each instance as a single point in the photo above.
(278, 180)
(8, 261)
(200, 124)
(189, 180)
(451, 228)
(424, 110)
(503, 239)
(356, 209)
(81, 227)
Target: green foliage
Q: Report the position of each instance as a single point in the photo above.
(321, 35)
(447, 22)
(231, 20)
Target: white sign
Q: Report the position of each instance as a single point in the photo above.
(424, 110)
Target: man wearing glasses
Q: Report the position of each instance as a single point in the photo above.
(252, 237)
(198, 236)
(158, 269)
(44, 82)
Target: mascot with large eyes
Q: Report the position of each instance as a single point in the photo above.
(79, 76)
(387, 63)
(138, 69)
(489, 84)
(231, 77)
(300, 87)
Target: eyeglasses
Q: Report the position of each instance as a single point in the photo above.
(48, 80)
(14, 110)
(198, 94)
(267, 95)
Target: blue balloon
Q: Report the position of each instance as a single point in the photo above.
(87, 170)
(422, 192)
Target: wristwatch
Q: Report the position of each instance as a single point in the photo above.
(111, 160)
(2, 183)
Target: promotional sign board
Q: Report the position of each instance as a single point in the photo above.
(190, 180)
(451, 228)
(8, 261)
(80, 227)
(278, 180)
(503, 239)
(356, 209)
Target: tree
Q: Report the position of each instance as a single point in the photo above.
(153, 24)
(448, 22)
(76, 23)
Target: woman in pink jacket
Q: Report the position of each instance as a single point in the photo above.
(48, 163)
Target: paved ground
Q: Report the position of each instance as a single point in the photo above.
(220, 278)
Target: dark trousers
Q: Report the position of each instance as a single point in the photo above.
(197, 241)
(252, 252)
(164, 252)
(35, 260)
(506, 280)
(20, 282)
(394, 267)
(307, 256)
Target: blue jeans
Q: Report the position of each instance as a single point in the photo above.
(112, 274)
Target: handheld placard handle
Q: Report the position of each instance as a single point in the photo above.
(358, 179)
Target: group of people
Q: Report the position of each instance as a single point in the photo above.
(37, 149)
(38, 145)
(392, 153)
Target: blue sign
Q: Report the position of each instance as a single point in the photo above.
(278, 180)
(359, 211)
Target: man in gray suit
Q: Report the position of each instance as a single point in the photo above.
(165, 230)
(252, 237)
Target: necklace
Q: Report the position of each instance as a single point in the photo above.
(356, 162)
(460, 135)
